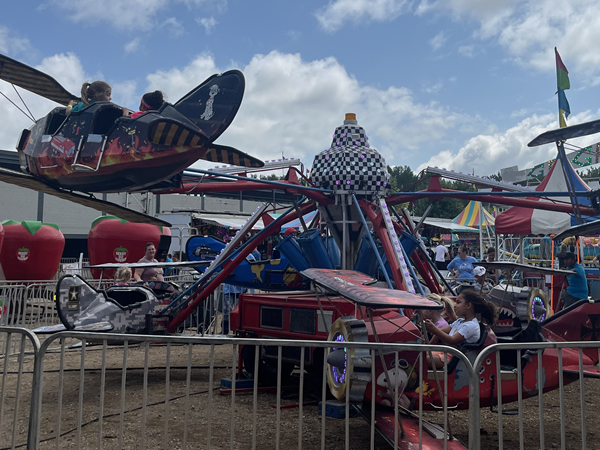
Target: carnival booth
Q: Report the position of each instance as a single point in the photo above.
(30, 250)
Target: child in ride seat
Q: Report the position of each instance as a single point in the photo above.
(469, 305)
(122, 276)
(150, 101)
(436, 315)
(98, 91)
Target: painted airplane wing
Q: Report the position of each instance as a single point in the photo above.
(512, 266)
(351, 285)
(34, 81)
(230, 155)
(143, 265)
(586, 229)
(29, 182)
(562, 134)
(98, 327)
(432, 435)
(589, 371)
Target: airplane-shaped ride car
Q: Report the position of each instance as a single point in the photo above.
(97, 150)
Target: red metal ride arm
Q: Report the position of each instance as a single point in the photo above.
(228, 267)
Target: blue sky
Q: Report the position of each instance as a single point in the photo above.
(463, 84)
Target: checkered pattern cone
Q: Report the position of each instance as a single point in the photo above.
(350, 164)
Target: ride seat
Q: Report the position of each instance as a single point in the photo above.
(126, 298)
(54, 120)
(104, 119)
(533, 333)
(467, 348)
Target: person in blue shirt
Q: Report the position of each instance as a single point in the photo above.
(578, 288)
(462, 265)
(168, 270)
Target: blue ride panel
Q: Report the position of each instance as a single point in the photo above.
(334, 253)
(409, 243)
(313, 247)
(272, 274)
(293, 253)
(366, 261)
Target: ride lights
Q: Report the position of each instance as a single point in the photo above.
(349, 368)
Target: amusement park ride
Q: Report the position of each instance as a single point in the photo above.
(362, 256)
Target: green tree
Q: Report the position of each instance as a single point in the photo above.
(402, 179)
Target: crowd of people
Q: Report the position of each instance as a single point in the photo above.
(463, 271)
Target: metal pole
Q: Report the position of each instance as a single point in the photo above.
(569, 179)
(40, 208)
(344, 231)
(480, 231)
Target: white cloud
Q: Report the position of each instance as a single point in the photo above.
(438, 41)
(337, 12)
(530, 29)
(11, 44)
(294, 35)
(219, 6)
(467, 50)
(209, 23)
(173, 25)
(488, 153)
(293, 106)
(138, 15)
(290, 106)
(133, 46)
(115, 13)
(433, 88)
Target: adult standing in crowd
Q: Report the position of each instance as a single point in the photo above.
(578, 288)
(490, 255)
(546, 251)
(150, 272)
(462, 265)
(441, 252)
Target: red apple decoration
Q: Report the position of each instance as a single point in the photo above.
(114, 240)
(31, 250)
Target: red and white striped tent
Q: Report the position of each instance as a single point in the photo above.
(520, 220)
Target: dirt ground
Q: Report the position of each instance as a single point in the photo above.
(186, 421)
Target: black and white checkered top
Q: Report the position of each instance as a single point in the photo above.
(350, 164)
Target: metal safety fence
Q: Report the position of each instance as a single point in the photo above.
(555, 416)
(18, 356)
(28, 304)
(89, 390)
(122, 391)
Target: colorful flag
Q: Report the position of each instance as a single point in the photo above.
(562, 83)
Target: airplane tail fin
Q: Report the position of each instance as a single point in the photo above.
(213, 104)
(578, 322)
(73, 296)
